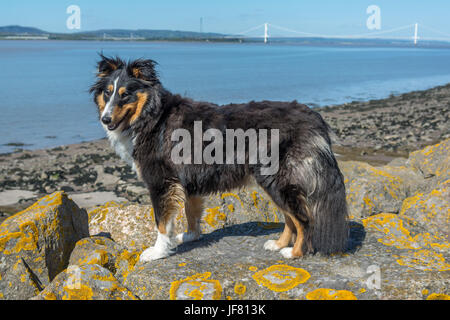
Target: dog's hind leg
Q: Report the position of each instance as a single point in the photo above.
(166, 207)
(286, 236)
(297, 250)
(193, 210)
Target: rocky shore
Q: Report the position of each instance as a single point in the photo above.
(86, 218)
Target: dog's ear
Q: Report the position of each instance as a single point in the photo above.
(107, 65)
(144, 70)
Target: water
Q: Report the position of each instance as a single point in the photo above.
(44, 100)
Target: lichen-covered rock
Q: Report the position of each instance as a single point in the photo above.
(19, 282)
(131, 226)
(85, 282)
(432, 162)
(430, 210)
(371, 190)
(404, 233)
(106, 253)
(36, 243)
(96, 250)
(231, 263)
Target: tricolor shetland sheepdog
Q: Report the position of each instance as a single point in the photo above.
(140, 117)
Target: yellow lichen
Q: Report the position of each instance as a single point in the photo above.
(197, 287)
(281, 278)
(425, 260)
(214, 216)
(397, 235)
(240, 288)
(79, 292)
(330, 294)
(438, 296)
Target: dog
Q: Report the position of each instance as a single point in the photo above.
(140, 117)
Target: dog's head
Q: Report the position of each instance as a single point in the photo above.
(124, 90)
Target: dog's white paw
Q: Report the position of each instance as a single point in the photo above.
(271, 245)
(187, 237)
(154, 253)
(287, 252)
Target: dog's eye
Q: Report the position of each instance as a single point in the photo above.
(125, 95)
(107, 92)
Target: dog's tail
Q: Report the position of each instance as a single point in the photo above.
(327, 230)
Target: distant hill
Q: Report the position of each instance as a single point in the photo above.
(149, 34)
(111, 34)
(19, 30)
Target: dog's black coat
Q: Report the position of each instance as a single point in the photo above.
(308, 184)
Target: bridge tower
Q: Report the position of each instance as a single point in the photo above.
(416, 33)
(266, 32)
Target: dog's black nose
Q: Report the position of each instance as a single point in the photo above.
(106, 120)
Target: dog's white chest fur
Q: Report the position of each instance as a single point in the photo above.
(123, 145)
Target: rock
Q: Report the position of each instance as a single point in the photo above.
(404, 233)
(85, 282)
(105, 179)
(11, 197)
(105, 253)
(231, 263)
(433, 162)
(136, 190)
(96, 250)
(430, 210)
(40, 239)
(92, 199)
(131, 226)
(371, 190)
(18, 281)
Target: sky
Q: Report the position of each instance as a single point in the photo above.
(330, 17)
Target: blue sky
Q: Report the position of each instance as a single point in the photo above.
(332, 17)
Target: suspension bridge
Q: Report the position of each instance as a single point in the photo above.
(408, 33)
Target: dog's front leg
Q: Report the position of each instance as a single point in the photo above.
(193, 210)
(167, 202)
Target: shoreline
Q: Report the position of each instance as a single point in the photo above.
(335, 113)
(375, 131)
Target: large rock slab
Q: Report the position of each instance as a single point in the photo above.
(35, 244)
(231, 263)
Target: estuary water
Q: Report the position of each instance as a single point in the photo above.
(44, 84)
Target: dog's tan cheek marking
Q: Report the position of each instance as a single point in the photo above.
(101, 102)
(142, 100)
(119, 113)
(172, 202)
